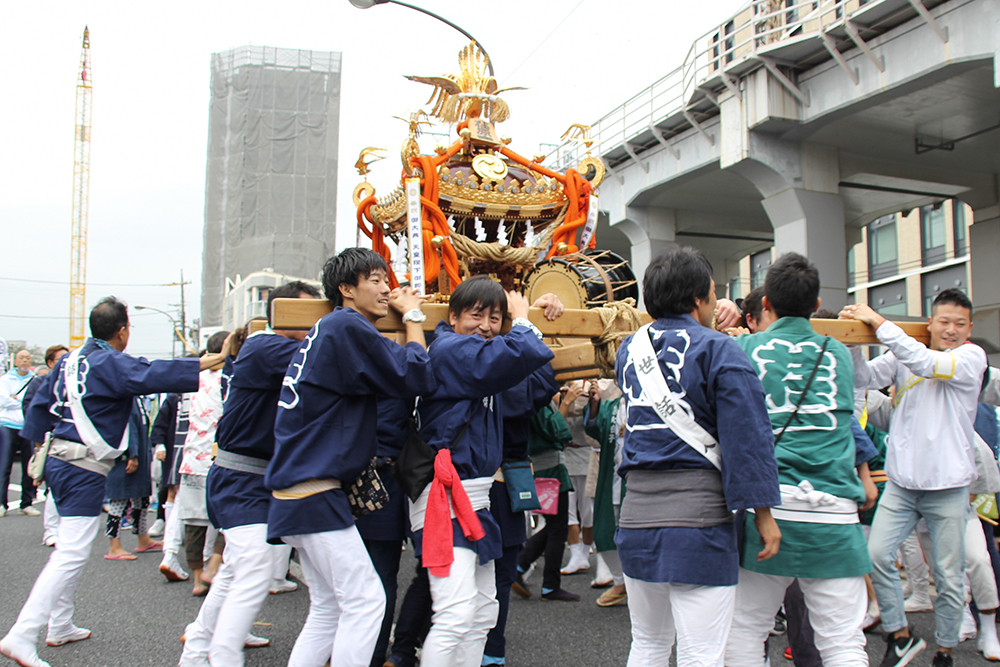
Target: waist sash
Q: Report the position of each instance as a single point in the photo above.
(305, 489)
(690, 498)
(804, 504)
(548, 459)
(240, 463)
(477, 488)
(79, 455)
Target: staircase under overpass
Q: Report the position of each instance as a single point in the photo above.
(796, 124)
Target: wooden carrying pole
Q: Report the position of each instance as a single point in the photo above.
(574, 353)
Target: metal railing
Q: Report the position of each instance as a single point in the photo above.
(759, 27)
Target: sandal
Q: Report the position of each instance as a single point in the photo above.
(609, 599)
(124, 556)
(153, 546)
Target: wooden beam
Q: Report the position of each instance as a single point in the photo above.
(303, 314)
(851, 332)
(573, 356)
(585, 374)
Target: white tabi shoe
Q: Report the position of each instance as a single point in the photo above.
(579, 560)
(253, 641)
(21, 652)
(283, 586)
(988, 643)
(74, 635)
(172, 570)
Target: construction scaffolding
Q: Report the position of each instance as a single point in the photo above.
(271, 182)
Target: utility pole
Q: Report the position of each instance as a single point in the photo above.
(184, 328)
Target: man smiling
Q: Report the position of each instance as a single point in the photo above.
(325, 437)
(930, 461)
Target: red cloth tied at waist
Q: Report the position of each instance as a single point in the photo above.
(438, 540)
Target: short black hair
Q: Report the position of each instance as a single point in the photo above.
(348, 267)
(477, 293)
(792, 286)
(675, 279)
(108, 317)
(753, 304)
(290, 290)
(214, 344)
(955, 297)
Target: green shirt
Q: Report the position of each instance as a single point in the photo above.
(817, 446)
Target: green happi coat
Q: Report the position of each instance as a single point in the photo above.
(817, 447)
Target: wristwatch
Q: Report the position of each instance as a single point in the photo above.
(415, 315)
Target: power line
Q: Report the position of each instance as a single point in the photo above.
(528, 57)
(61, 317)
(66, 282)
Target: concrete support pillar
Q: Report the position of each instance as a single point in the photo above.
(812, 224)
(984, 239)
(649, 230)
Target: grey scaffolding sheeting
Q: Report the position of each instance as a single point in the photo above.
(271, 181)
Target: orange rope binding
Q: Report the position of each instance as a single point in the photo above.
(377, 237)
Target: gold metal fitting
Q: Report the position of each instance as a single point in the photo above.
(539, 157)
(437, 241)
(505, 140)
(465, 133)
(440, 149)
(561, 248)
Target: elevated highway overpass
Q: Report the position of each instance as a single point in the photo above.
(797, 123)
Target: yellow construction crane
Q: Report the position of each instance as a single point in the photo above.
(81, 195)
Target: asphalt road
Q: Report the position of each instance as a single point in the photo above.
(138, 618)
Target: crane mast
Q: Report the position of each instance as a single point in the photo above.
(81, 194)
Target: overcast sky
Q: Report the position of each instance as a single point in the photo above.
(580, 59)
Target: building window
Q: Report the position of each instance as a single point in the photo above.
(888, 299)
(958, 223)
(932, 234)
(759, 264)
(935, 282)
(883, 254)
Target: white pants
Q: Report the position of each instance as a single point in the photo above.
(346, 600)
(280, 553)
(836, 611)
(581, 508)
(50, 518)
(465, 610)
(173, 533)
(51, 598)
(698, 616)
(237, 594)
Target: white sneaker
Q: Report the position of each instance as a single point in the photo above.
(21, 652)
(29, 511)
(74, 635)
(253, 641)
(156, 530)
(3, 513)
(49, 540)
(918, 602)
(172, 570)
(969, 630)
(283, 586)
